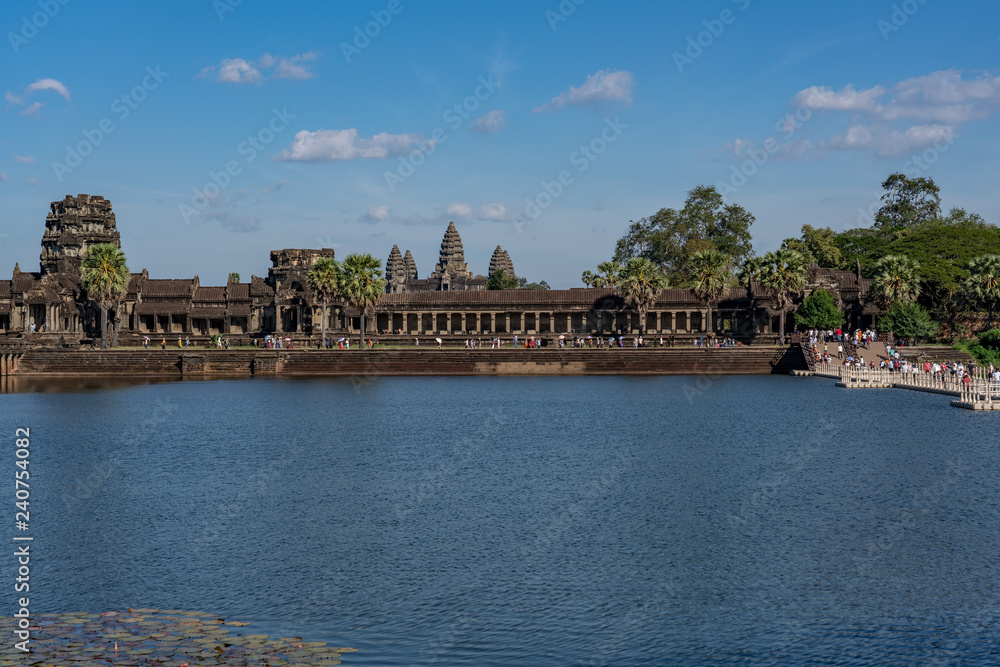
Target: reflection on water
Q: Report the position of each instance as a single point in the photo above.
(14, 384)
(530, 521)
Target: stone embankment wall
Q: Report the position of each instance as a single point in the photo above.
(176, 363)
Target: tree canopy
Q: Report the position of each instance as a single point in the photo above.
(908, 202)
(670, 238)
(500, 280)
(819, 311)
(907, 320)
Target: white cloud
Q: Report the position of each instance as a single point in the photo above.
(24, 159)
(33, 110)
(289, 68)
(48, 84)
(41, 84)
(239, 70)
(848, 99)
(887, 142)
(606, 86)
(4, 177)
(34, 182)
(459, 210)
(491, 123)
(376, 214)
(888, 121)
(339, 145)
(493, 211)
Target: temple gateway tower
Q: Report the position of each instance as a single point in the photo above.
(73, 225)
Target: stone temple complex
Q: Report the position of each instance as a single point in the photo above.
(50, 306)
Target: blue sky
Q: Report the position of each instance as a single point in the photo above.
(629, 104)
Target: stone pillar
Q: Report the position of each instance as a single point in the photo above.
(506, 322)
(278, 324)
(464, 323)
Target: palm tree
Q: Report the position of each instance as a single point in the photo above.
(608, 274)
(590, 279)
(362, 284)
(750, 272)
(710, 276)
(783, 275)
(896, 280)
(324, 281)
(640, 283)
(105, 277)
(983, 286)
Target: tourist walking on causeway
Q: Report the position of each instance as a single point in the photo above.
(145, 342)
(163, 343)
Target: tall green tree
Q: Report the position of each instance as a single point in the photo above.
(983, 284)
(640, 284)
(324, 280)
(500, 280)
(711, 275)
(783, 276)
(608, 274)
(670, 238)
(908, 202)
(105, 277)
(362, 284)
(896, 280)
(590, 279)
(817, 244)
(819, 311)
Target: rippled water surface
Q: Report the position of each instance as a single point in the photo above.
(529, 521)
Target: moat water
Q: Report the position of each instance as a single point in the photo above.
(527, 521)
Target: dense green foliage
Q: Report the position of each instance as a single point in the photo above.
(670, 238)
(908, 202)
(907, 320)
(819, 311)
(986, 349)
(911, 250)
(500, 280)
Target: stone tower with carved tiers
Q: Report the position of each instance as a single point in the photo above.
(73, 225)
(451, 267)
(395, 272)
(410, 265)
(500, 261)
